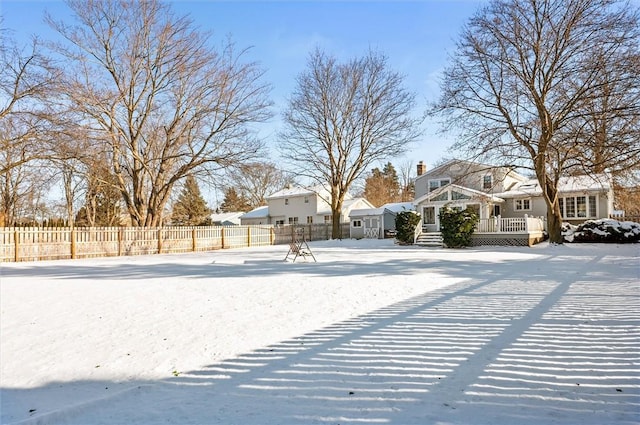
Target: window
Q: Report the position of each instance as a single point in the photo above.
(279, 222)
(435, 184)
(522, 204)
(579, 206)
(293, 220)
(444, 196)
(327, 219)
(357, 223)
(570, 203)
(487, 181)
(457, 195)
(286, 201)
(306, 199)
(309, 219)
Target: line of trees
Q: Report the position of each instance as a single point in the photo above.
(135, 104)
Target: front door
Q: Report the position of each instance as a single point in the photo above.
(430, 219)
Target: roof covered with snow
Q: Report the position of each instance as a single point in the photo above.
(584, 183)
(260, 212)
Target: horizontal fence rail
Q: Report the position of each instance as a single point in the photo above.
(57, 243)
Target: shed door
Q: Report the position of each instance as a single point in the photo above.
(372, 227)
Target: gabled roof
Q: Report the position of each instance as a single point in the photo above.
(465, 190)
(291, 192)
(260, 212)
(231, 217)
(584, 183)
(348, 204)
(461, 162)
(397, 207)
(370, 211)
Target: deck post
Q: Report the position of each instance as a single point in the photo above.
(526, 223)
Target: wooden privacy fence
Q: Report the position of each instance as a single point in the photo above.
(51, 243)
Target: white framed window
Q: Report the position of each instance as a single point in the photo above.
(286, 201)
(306, 199)
(522, 204)
(293, 220)
(437, 183)
(487, 181)
(309, 219)
(279, 222)
(357, 223)
(579, 206)
(327, 219)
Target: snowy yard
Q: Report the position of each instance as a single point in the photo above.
(373, 333)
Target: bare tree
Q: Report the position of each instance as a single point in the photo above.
(343, 117)
(154, 93)
(255, 181)
(525, 75)
(26, 78)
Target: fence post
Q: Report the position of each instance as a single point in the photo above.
(222, 236)
(194, 240)
(120, 240)
(73, 243)
(248, 236)
(272, 235)
(159, 240)
(526, 223)
(16, 235)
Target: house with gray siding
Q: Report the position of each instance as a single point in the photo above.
(510, 206)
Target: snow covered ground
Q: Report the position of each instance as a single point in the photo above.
(373, 333)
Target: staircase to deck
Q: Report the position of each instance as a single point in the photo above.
(431, 239)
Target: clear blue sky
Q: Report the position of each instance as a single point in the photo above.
(416, 36)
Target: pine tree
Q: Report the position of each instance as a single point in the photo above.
(382, 187)
(191, 209)
(233, 202)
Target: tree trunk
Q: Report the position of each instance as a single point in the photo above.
(336, 225)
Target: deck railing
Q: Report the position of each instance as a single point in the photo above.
(498, 224)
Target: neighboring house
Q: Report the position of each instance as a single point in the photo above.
(300, 205)
(376, 223)
(226, 219)
(506, 202)
(256, 216)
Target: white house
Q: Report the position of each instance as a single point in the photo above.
(299, 205)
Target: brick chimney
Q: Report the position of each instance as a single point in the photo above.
(422, 168)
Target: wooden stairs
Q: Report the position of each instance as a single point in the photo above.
(430, 239)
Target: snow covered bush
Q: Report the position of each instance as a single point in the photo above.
(406, 222)
(457, 226)
(603, 230)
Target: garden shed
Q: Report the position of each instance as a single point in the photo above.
(372, 223)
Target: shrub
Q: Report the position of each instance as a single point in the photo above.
(406, 222)
(603, 230)
(457, 226)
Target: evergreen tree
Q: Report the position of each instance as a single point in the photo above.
(191, 209)
(234, 202)
(382, 187)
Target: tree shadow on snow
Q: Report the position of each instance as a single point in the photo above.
(502, 347)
